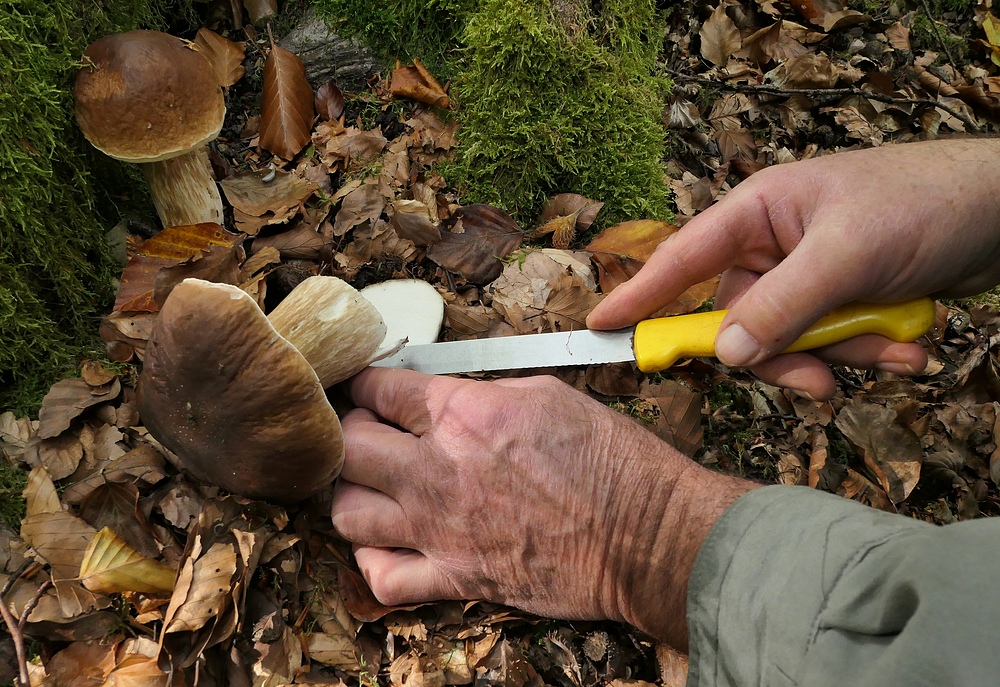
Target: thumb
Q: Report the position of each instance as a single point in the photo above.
(783, 303)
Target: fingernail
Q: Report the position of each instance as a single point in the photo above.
(804, 394)
(898, 368)
(735, 347)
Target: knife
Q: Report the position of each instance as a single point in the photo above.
(653, 344)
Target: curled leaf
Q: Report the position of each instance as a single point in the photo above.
(225, 55)
(419, 84)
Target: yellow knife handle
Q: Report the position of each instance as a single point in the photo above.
(661, 342)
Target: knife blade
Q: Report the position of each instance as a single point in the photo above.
(654, 344)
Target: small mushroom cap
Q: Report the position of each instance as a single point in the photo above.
(147, 96)
(239, 406)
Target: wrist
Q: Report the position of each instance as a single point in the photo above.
(675, 505)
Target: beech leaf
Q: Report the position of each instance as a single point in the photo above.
(110, 565)
(286, 114)
(187, 244)
(329, 101)
(480, 237)
(225, 55)
(720, 39)
(419, 84)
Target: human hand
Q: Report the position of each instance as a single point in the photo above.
(523, 492)
(797, 240)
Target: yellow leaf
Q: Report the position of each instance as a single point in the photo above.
(991, 26)
(111, 565)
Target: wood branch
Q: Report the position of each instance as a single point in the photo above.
(823, 94)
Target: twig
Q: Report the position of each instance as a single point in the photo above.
(823, 94)
(937, 32)
(16, 625)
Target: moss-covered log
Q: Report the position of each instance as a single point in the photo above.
(553, 95)
(55, 272)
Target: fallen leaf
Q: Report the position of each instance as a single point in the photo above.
(417, 83)
(679, 422)
(225, 55)
(265, 197)
(364, 204)
(329, 102)
(112, 566)
(189, 245)
(335, 650)
(116, 506)
(286, 114)
(479, 237)
(412, 220)
(892, 452)
(143, 464)
(300, 243)
(720, 39)
(66, 400)
(202, 585)
(347, 148)
(635, 239)
(259, 10)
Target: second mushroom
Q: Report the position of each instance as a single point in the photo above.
(239, 397)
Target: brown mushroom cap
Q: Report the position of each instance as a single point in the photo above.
(239, 405)
(147, 96)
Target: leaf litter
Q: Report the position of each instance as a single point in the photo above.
(129, 573)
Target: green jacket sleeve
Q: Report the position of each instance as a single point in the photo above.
(798, 587)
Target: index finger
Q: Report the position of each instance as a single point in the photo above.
(398, 396)
(736, 230)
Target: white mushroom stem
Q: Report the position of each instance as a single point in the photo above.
(412, 310)
(331, 325)
(184, 189)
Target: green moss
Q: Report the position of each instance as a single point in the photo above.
(552, 96)
(13, 480)
(55, 272)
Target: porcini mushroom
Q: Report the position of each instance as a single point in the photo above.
(151, 98)
(412, 310)
(236, 396)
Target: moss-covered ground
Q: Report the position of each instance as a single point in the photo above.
(552, 96)
(55, 271)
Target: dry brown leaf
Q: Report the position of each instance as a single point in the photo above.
(286, 114)
(95, 373)
(613, 379)
(419, 84)
(857, 487)
(329, 101)
(112, 566)
(259, 10)
(82, 664)
(809, 70)
(569, 303)
(892, 452)
(206, 250)
(143, 464)
(225, 55)
(116, 506)
(201, 588)
(412, 220)
(898, 36)
(364, 204)
(345, 148)
(60, 455)
(479, 237)
(679, 422)
(635, 239)
(265, 197)
(300, 243)
(66, 400)
(335, 650)
(720, 39)
(772, 44)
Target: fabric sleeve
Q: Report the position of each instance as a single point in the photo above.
(799, 587)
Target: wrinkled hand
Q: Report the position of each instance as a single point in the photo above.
(524, 492)
(797, 240)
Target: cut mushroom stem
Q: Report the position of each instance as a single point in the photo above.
(184, 189)
(331, 325)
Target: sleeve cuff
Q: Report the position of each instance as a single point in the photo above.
(762, 578)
